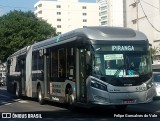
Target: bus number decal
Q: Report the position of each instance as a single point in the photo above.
(140, 88)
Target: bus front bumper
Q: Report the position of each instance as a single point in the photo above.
(121, 98)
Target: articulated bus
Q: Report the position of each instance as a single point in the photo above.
(85, 67)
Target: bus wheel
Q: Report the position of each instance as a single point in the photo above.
(71, 105)
(40, 96)
(121, 107)
(70, 100)
(17, 93)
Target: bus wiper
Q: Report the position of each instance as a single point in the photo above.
(118, 70)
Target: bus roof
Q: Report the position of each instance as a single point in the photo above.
(95, 33)
(111, 33)
(20, 52)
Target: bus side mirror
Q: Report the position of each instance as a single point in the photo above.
(152, 59)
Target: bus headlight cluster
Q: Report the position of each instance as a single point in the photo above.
(98, 85)
(149, 84)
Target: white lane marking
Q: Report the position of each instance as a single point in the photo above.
(17, 100)
(20, 101)
(8, 104)
(23, 101)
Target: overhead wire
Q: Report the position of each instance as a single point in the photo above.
(147, 17)
(150, 4)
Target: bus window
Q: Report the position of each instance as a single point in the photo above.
(70, 64)
(61, 63)
(54, 65)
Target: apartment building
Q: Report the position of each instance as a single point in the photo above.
(66, 15)
(111, 12)
(144, 15)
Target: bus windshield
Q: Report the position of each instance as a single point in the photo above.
(122, 64)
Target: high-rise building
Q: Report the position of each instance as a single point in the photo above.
(111, 12)
(66, 15)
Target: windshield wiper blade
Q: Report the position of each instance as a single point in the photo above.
(119, 70)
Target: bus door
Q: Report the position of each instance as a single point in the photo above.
(23, 74)
(81, 75)
(46, 73)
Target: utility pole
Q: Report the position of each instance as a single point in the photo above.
(137, 1)
(124, 14)
(159, 7)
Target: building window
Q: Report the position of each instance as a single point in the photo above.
(103, 13)
(84, 14)
(40, 5)
(104, 23)
(58, 26)
(58, 33)
(58, 6)
(84, 7)
(40, 12)
(58, 13)
(103, 8)
(103, 18)
(58, 19)
(84, 20)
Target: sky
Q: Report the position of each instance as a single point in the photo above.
(24, 5)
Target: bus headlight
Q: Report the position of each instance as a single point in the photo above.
(149, 84)
(98, 85)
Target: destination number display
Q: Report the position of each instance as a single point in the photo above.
(121, 48)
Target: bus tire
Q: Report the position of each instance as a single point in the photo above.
(121, 107)
(70, 100)
(40, 96)
(66, 98)
(17, 92)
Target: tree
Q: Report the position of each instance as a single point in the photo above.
(154, 51)
(19, 29)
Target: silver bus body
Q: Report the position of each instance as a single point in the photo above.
(78, 82)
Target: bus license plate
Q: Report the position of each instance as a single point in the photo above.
(128, 101)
